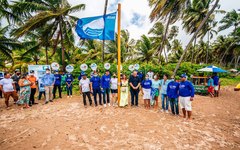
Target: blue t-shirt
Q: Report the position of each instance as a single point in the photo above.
(146, 84)
(105, 81)
(58, 79)
(210, 82)
(164, 85)
(215, 80)
(186, 89)
(96, 81)
(172, 89)
(48, 80)
(69, 78)
(79, 77)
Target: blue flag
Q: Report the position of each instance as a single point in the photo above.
(99, 27)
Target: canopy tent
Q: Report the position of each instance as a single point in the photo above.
(212, 69)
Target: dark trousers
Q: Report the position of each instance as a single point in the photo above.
(32, 100)
(95, 92)
(106, 91)
(174, 106)
(69, 90)
(134, 95)
(88, 94)
(1, 94)
(55, 87)
(40, 95)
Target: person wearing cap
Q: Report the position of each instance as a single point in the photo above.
(210, 85)
(95, 86)
(216, 84)
(69, 86)
(48, 81)
(85, 89)
(105, 85)
(186, 95)
(33, 81)
(164, 84)
(172, 93)
(8, 88)
(57, 85)
(16, 78)
(25, 91)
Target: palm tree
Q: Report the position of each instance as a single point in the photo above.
(53, 16)
(128, 44)
(195, 34)
(169, 10)
(176, 51)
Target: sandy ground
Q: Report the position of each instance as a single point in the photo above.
(66, 124)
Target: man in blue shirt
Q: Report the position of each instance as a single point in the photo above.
(186, 95)
(57, 85)
(105, 84)
(95, 86)
(172, 93)
(48, 81)
(216, 84)
(69, 80)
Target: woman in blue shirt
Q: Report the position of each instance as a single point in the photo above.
(155, 91)
(146, 90)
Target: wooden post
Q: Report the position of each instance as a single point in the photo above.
(119, 50)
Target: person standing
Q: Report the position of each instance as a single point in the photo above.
(114, 88)
(85, 88)
(25, 91)
(210, 85)
(164, 83)
(134, 83)
(150, 74)
(105, 85)
(1, 96)
(69, 81)
(141, 75)
(57, 85)
(155, 91)
(186, 95)
(124, 91)
(146, 90)
(7, 86)
(48, 81)
(96, 89)
(172, 93)
(16, 78)
(63, 82)
(216, 84)
(33, 81)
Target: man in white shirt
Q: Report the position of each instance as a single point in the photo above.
(150, 74)
(85, 89)
(8, 88)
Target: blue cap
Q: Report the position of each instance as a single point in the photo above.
(183, 76)
(83, 73)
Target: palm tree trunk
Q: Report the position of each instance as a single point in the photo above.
(62, 44)
(193, 50)
(165, 53)
(46, 51)
(208, 47)
(236, 62)
(195, 34)
(164, 36)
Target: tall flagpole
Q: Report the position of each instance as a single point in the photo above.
(103, 45)
(119, 49)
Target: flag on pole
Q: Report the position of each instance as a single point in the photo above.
(99, 27)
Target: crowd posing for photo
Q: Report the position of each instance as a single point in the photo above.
(104, 89)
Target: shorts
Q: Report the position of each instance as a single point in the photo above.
(216, 88)
(146, 93)
(114, 91)
(185, 103)
(210, 89)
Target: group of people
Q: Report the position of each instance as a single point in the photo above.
(150, 86)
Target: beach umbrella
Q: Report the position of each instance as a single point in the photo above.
(212, 69)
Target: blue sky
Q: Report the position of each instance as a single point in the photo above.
(135, 15)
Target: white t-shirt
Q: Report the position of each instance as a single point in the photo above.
(150, 74)
(7, 85)
(114, 82)
(85, 84)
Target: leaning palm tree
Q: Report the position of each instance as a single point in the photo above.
(55, 15)
(166, 10)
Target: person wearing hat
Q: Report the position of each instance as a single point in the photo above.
(69, 81)
(85, 89)
(25, 91)
(57, 85)
(105, 85)
(186, 95)
(16, 78)
(216, 84)
(95, 86)
(48, 81)
(33, 81)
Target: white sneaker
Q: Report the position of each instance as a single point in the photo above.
(104, 105)
(71, 96)
(109, 104)
(162, 110)
(67, 96)
(166, 111)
